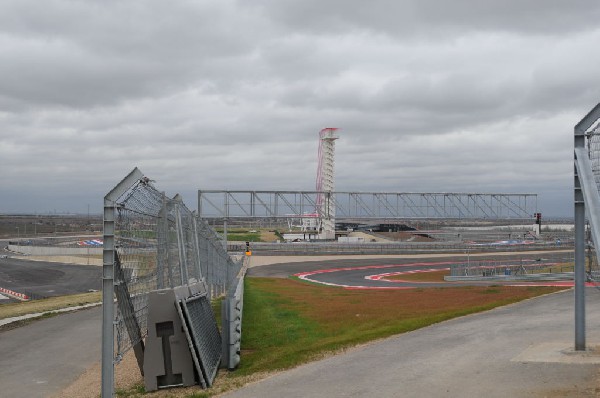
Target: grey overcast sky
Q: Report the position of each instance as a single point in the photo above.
(430, 96)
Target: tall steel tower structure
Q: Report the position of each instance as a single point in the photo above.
(326, 181)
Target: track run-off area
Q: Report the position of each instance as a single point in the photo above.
(41, 369)
(375, 272)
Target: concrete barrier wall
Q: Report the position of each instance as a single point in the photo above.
(55, 251)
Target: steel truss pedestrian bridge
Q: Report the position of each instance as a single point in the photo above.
(365, 205)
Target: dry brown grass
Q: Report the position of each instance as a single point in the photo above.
(336, 308)
(48, 304)
(268, 236)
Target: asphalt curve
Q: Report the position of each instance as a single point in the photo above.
(370, 273)
(44, 279)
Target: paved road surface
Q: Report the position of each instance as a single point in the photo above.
(357, 272)
(465, 357)
(41, 358)
(46, 279)
(513, 351)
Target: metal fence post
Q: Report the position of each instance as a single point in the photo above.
(107, 300)
(181, 242)
(148, 241)
(579, 267)
(108, 288)
(225, 234)
(162, 238)
(196, 246)
(585, 190)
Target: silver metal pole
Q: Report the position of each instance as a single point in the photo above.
(583, 180)
(162, 249)
(225, 234)
(587, 200)
(183, 264)
(108, 287)
(579, 270)
(108, 291)
(197, 263)
(225, 222)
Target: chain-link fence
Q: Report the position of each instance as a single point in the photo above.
(328, 248)
(593, 268)
(548, 263)
(153, 242)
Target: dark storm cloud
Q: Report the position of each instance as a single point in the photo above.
(81, 54)
(432, 18)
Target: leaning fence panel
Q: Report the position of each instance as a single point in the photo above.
(153, 242)
(593, 147)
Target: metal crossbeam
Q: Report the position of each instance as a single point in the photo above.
(366, 205)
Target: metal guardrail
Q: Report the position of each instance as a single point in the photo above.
(231, 314)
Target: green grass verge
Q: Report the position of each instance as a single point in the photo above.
(241, 237)
(287, 322)
(282, 329)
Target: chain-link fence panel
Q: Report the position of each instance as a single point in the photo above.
(137, 226)
(212, 251)
(592, 266)
(545, 264)
(159, 243)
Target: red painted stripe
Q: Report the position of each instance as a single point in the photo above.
(377, 277)
(14, 294)
(323, 271)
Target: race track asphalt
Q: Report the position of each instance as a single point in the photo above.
(47, 279)
(520, 350)
(364, 272)
(42, 357)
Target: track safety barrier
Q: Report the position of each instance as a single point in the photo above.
(154, 245)
(231, 313)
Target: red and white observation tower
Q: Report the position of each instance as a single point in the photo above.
(325, 206)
